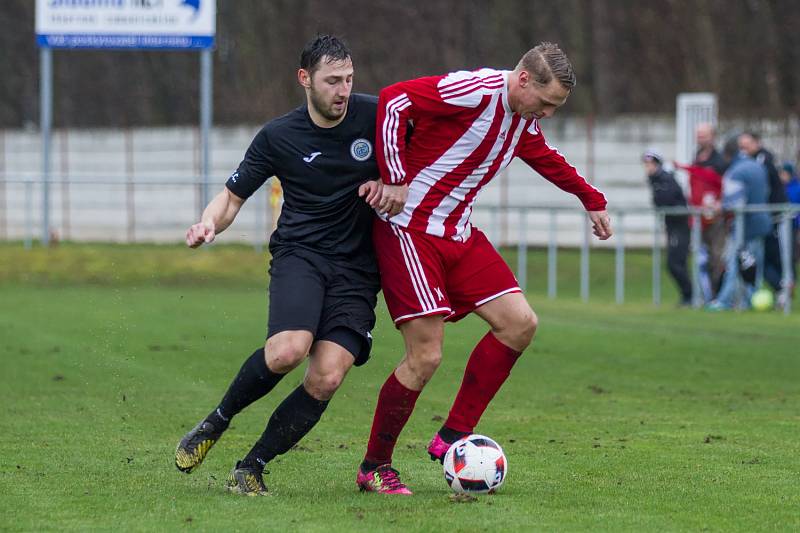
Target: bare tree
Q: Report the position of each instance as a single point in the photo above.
(630, 56)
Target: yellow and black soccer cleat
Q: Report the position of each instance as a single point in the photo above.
(247, 481)
(194, 446)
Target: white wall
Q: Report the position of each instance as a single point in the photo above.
(163, 164)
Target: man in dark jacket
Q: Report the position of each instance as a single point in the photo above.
(751, 144)
(667, 193)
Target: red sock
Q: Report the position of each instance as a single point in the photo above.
(487, 369)
(395, 404)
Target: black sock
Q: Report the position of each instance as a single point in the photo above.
(451, 435)
(290, 422)
(253, 382)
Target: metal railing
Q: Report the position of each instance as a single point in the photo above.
(785, 213)
(184, 204)
(129, 210)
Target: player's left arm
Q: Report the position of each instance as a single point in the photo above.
(534, 150)
(399, 105)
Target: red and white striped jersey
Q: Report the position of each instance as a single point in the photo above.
(464, 133)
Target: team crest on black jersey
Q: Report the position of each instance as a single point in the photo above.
(361, 149)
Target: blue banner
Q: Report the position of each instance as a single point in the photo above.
(163, 42)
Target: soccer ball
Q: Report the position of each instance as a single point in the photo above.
(475, 465)
(762, 300)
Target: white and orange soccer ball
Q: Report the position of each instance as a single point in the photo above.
(475, 465)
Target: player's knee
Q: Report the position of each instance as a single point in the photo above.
(522, 329)
(285, 356)
(323, 386)
(423, 340)
(528, 324)
(424, 361)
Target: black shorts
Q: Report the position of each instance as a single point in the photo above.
(310, 292)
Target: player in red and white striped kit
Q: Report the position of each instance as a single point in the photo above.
(439, 140)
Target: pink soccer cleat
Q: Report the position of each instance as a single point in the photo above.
(384, 480)
(437, 448)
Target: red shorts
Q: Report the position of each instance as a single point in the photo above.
(426, 275)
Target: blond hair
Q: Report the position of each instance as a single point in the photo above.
(547, 61)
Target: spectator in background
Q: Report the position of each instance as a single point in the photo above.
(667, 193)
(751, 144)
(705, 185)
(707, 154)
(744, 183)
(791, 184)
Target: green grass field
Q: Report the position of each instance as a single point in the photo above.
(618, 418)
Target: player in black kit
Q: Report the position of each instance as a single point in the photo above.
(324, 278)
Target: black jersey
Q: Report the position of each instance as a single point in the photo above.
(320, 170)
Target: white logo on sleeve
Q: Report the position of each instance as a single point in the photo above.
(439, 294)
(235, 176)
(313, 156)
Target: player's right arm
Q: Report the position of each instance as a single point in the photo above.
(253, 172)
(217, 216)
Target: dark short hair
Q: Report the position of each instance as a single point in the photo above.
(731, 146)
(328, 46)
(754, 134)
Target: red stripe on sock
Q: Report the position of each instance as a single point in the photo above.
(395, 404)
(487, 369)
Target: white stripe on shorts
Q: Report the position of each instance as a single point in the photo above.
(498, 295)
(432, 311)
(414, 271)
(413, 249)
